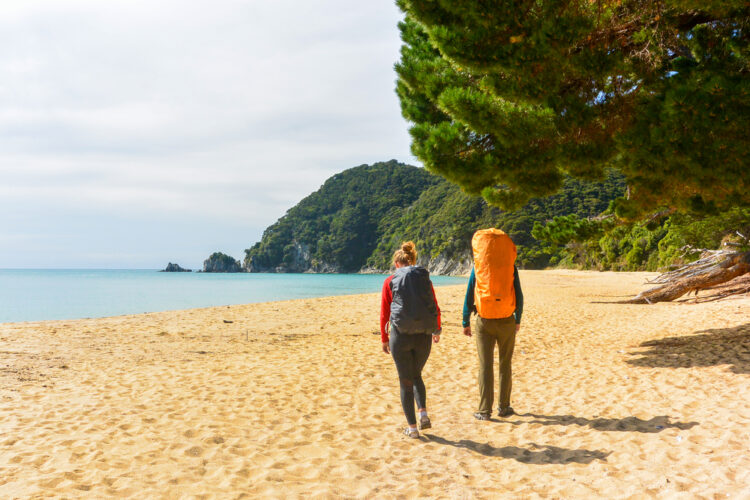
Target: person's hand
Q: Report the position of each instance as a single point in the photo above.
(435, 338)
(518, 327)
(467, 331)
(386, 348)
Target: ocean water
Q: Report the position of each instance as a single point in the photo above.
(34, 295)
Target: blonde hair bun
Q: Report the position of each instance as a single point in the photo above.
(406, 255)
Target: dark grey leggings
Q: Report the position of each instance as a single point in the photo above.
(410, 352)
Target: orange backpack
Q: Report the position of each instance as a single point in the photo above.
(494, 257)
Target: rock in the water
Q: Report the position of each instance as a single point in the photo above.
(175, 268)
(221, 263)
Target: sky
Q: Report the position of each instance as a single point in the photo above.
(136, 133)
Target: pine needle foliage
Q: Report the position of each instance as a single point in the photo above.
(506, 98)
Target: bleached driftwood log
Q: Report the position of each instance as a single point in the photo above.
(713, 268)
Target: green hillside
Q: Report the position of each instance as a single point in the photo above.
(443, 219)
(360, 216)
(336, 228)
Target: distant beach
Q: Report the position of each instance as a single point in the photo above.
(296, 399)
(48, 294)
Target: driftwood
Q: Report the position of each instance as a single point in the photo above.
(737, 286)
(713, 268)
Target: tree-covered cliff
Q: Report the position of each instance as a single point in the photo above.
(360, 216)
(336, 228)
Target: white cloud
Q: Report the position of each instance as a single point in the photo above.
(149, 110)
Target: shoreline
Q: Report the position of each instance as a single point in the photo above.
(178, 310)
(33, 296)
(205, 309)
(295, 398)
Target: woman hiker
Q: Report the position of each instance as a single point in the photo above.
(410, 306)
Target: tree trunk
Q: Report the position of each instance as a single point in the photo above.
(686, 280)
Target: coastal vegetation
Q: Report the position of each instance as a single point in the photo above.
(443, 219)
(336, 228)
(603, 243)
(358, 217)
(508, 101)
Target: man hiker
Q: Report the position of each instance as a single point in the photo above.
(494, 293)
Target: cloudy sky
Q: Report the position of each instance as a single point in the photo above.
(133, 133)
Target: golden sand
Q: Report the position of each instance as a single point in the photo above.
(295, 398)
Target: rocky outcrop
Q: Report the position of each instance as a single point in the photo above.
(323, 268)
(300, 261)
(175, 268)
(252, 266)
(373, 270)
(438, 266)
(221, 263)
(444, 266)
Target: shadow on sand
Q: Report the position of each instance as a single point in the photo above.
(628, 424)
(721, 346)
(535, 455)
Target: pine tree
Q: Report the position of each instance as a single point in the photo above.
(506, 97)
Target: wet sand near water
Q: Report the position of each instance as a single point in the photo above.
(295, 398)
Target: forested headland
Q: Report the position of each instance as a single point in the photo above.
(358, 218)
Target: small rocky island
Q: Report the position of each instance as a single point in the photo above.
(175, 268)
(221, 263)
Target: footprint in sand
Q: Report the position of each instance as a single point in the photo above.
(51, 483)
(239, 451)
(195, 451)
(73, 476)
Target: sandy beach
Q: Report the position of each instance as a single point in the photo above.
(295, 399)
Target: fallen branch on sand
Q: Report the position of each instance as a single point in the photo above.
(714, 268)
(737, 286)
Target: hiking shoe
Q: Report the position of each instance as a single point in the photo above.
(424, 423)
(481, 416)
(411, 433)
(505, 412)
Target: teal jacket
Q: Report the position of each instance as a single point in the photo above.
(469, 306)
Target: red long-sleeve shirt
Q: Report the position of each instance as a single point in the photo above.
(385, 307)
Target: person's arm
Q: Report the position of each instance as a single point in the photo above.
(469, 306)
(519, 295)
(385, 308)
(439, 325)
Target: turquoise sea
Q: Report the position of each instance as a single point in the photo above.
(34, 295)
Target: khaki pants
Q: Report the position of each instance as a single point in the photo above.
(488, 333)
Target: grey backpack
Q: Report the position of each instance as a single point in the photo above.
(413, 309)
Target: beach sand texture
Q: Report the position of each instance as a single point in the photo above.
(295, 398)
